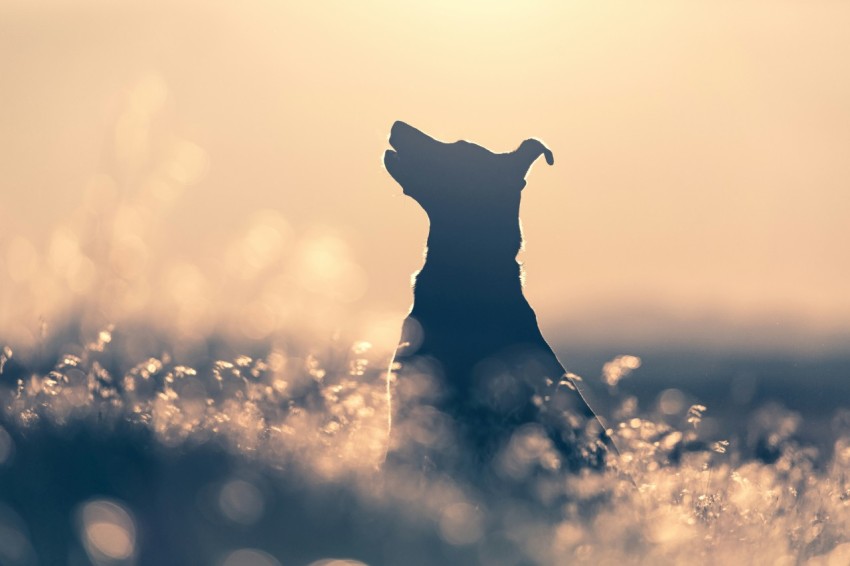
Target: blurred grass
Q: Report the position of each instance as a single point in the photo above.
(282, 451)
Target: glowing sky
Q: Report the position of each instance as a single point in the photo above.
(702, 148)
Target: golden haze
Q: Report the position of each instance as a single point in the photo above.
(701, 178)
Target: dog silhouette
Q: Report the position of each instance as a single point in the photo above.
(471, 332)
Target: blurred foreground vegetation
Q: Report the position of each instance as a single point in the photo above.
(277, 457)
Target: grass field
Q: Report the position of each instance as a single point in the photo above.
(275, 456)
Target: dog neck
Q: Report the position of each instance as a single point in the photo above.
(476, 266)
(473, 241)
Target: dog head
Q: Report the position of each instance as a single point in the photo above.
(461, 176)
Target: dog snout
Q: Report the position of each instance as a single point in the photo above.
(407, 139)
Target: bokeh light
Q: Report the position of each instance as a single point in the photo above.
(108, 532)
(249, 557)
(241, 502)
(15, 546)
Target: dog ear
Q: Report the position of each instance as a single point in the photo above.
(527, 153)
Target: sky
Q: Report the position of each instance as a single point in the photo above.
(700, 194)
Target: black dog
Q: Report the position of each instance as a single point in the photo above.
(471, 330)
